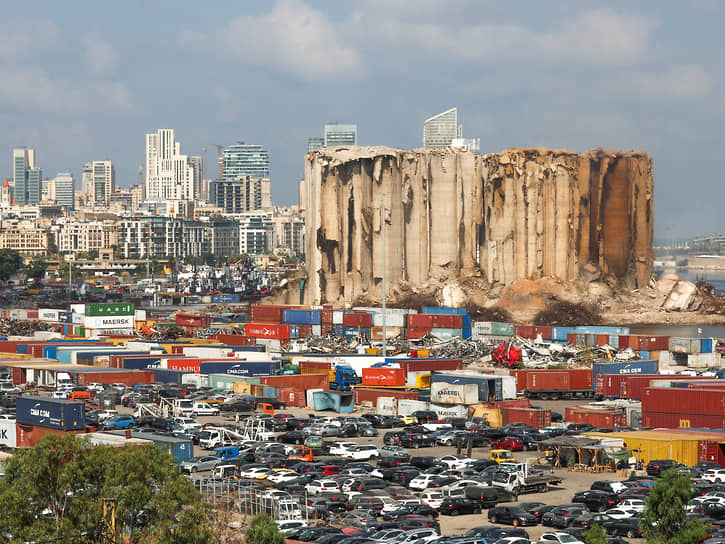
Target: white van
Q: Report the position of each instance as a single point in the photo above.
(62, 380)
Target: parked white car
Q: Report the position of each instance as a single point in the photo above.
(456, 461)
(417, 535)
(254, 473)
(434, 499)
(103, 415)
(320, 486)
(279, 477)
(204, 409)
(339, 448)
(363, 452)
(188, 423)
(422, 481)
(632, 504)
(288, 525)
(559, 538)
(716, 475)
(620, 513)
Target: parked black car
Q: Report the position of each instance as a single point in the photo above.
(492, 534)
(407, 509)
(416, 440)
(513, 515)
(537, 509)
(236, 406)
(629, 527)
(657, 466)
(426, 461)
(292, 437)
(595, 500)
(563, 516)
(456, 506)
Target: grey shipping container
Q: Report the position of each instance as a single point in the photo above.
(169, 376)
(487, 387)
(630, 367)
(180, 448)
(60, 414)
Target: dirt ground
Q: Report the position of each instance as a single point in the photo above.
(572, 481)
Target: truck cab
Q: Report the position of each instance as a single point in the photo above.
(183, 407)
(303, 453)
(502, 456)
(222, 472)
(342, 378)
(264, 408)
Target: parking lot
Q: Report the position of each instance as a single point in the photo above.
(572, 481)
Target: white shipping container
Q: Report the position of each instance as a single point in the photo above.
(310, 397)
(95, 333)
(508, 384)
(8, 435)
(490, 339)
(46, 314)
(412, 377)
(199, 380)
(408, 406)
(482, 327)
(337, 317)
(391, 319)
(15, 314)
(448, 393)
(79, 309)
(109, 322)
(23, 314)
(449, 410)
(703, 360)
(210, 352)
(317, 330)
(271, 345)
(140, 315)
(76, 319)
(387, 406)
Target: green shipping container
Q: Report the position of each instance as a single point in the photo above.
(502, 329)
(447, 334)
(79, 330)
(225, 382)
(110, 308)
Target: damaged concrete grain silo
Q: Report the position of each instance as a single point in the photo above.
(452, 214)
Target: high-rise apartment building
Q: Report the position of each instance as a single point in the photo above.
(313, 144)
(440, 130)
(243, 194)
(98, 181)
(245, 160)
(197, 171)
(61, 189)
(338, 134)
(27, 178)
(169, 174)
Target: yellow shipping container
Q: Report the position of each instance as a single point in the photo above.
(492, 415)
(242, 388)
(371, 351)
(649, 445)
(8, 355)
(423, 353)
(422, 381)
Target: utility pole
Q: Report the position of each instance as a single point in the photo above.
(109, 521)
(385, 328)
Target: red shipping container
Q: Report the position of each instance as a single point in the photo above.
(416, 333)
(418, 321)
(444, 321)
(293, 397)
(268, 330)
(510, 403)
(19, 375)
(129, 377)
(326, 317)
(653, 343)
(357, 319)
(371, 395)
(192, 320)
(268, 313)
(428, 364)
(701, 401)
(298, 381)
(189, 365)
(632, 387)
(525, 331)
(384, 376)
(314, 367)
(607, 419)
(710, 450)
(29, 435)
(305, 331)
(235, 340)
(678, 420)
(326, 328)
(535, 417)
(32, 314)
(602, 340)
(573, 379)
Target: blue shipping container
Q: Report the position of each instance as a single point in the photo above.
(442, 310)
(466, 333)
(644, 355)
(294, 332)
(224, 298)
(595, 329)
(629, 367)
(466, 321)
(560, 333)
(338, 330)
(301, 317)
(60, 414)
(142, 363)
(169, 376)
(707, 345)
(350, 333)
(65, 317)
(238, 368)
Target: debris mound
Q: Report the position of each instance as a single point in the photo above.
(495, 314)
(561, 313)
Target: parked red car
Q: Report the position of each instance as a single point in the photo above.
(508, 443)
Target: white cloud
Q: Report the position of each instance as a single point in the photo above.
(678, 83)
(599, 37)
(293, 38)
(101, 57)
(20, 38)
(33, 89)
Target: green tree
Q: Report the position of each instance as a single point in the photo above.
(595, 535)
(10, 263)
(665, 518)
(263, 530)
(35, 269)
(55, 490)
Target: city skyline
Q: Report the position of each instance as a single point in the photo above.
(576, 75)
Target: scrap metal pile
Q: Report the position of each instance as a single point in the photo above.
(16, 327)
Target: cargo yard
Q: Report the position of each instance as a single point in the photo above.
(533, 414)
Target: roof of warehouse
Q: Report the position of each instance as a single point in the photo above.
(664, 435)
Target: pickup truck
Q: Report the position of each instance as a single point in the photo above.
(517, 478)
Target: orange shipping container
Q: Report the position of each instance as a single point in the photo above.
(297, 381)
(384, 376)
(28, 435)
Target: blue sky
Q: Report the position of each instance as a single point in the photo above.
(86, 80)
